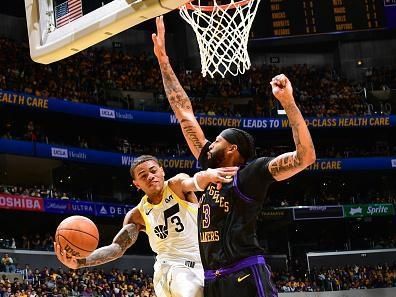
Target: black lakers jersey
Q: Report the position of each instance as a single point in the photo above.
(227, 217)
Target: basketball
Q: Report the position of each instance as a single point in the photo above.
(78, 236)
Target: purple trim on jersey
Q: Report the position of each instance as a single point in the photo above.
(273, 288)
(259, 284)
(243, 196)
(247, 262)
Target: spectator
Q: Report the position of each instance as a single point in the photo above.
(85, 78)
(8, 263)
(36, 242)
(64, 197)
(48, 242)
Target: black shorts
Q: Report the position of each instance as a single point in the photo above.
(249, 277)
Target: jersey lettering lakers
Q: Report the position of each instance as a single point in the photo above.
(228, 218)
(171, 226)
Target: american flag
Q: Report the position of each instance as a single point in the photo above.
(67, 12)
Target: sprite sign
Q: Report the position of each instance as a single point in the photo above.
(368, 210)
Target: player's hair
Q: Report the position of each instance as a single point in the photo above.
(243, 140)
(139, 160)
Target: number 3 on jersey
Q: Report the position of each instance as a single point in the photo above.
(179, 226)
(206, 216)
(162, 230)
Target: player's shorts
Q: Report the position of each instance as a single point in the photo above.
(178, 278)
(249, 277)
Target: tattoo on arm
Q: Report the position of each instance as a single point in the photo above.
(181, 106)
(177, 97)
(189, 130)
(123, 240)
(286, 165)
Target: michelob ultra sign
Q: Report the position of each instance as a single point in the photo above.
(368, 210)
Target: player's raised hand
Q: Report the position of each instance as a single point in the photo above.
(282, 89)
(159, 41)
(68, 261)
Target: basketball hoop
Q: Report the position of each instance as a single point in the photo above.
(222, 32)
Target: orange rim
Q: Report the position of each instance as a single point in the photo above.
(213, 7)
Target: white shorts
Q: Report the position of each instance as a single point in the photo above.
(177, 278)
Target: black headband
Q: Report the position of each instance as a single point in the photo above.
(243, 140)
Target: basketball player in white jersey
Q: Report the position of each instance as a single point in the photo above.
(168, 215)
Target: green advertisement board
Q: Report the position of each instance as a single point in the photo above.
(368, 210)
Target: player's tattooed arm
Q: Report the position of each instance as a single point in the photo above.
(121, 242)
(181, 106)
(289, 164)
(126, 237)
(177, 97)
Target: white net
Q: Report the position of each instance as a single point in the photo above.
(222, 32)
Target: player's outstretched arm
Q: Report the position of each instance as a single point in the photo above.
(289, 164)
(125, 238)
(182, 183)
(177, 97)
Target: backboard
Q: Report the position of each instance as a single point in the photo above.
(57, 32)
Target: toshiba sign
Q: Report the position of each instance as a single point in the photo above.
(21, 202)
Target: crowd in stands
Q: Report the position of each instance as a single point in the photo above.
(97, 283)
(338, 278)
(381, 78)
(37, 241)
(35, 191)
(84, 282)
(86, 77)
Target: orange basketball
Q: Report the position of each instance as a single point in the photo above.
(78, 236)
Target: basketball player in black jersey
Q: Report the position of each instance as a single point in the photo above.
(230, 253)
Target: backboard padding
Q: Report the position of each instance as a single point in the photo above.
(47, 47)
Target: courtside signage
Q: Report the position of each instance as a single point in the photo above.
(368, 210)
(57, 152)
(107, 113)
(166, 119)
(17, 202)
(318, 212)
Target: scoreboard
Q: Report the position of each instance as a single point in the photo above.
(282, 18)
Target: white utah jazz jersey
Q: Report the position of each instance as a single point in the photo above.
(171, 227)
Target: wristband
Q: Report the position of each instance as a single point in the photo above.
(197, 187)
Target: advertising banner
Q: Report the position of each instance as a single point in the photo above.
(86, 208)
(58, 206)
(75, 207)
(111, 210)
(318, 212)
(368, 210)
(186, 164)
(18, 202)
(164, 118)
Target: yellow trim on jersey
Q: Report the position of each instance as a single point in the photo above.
(184, 203)
(159, 204)
(147, 224)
